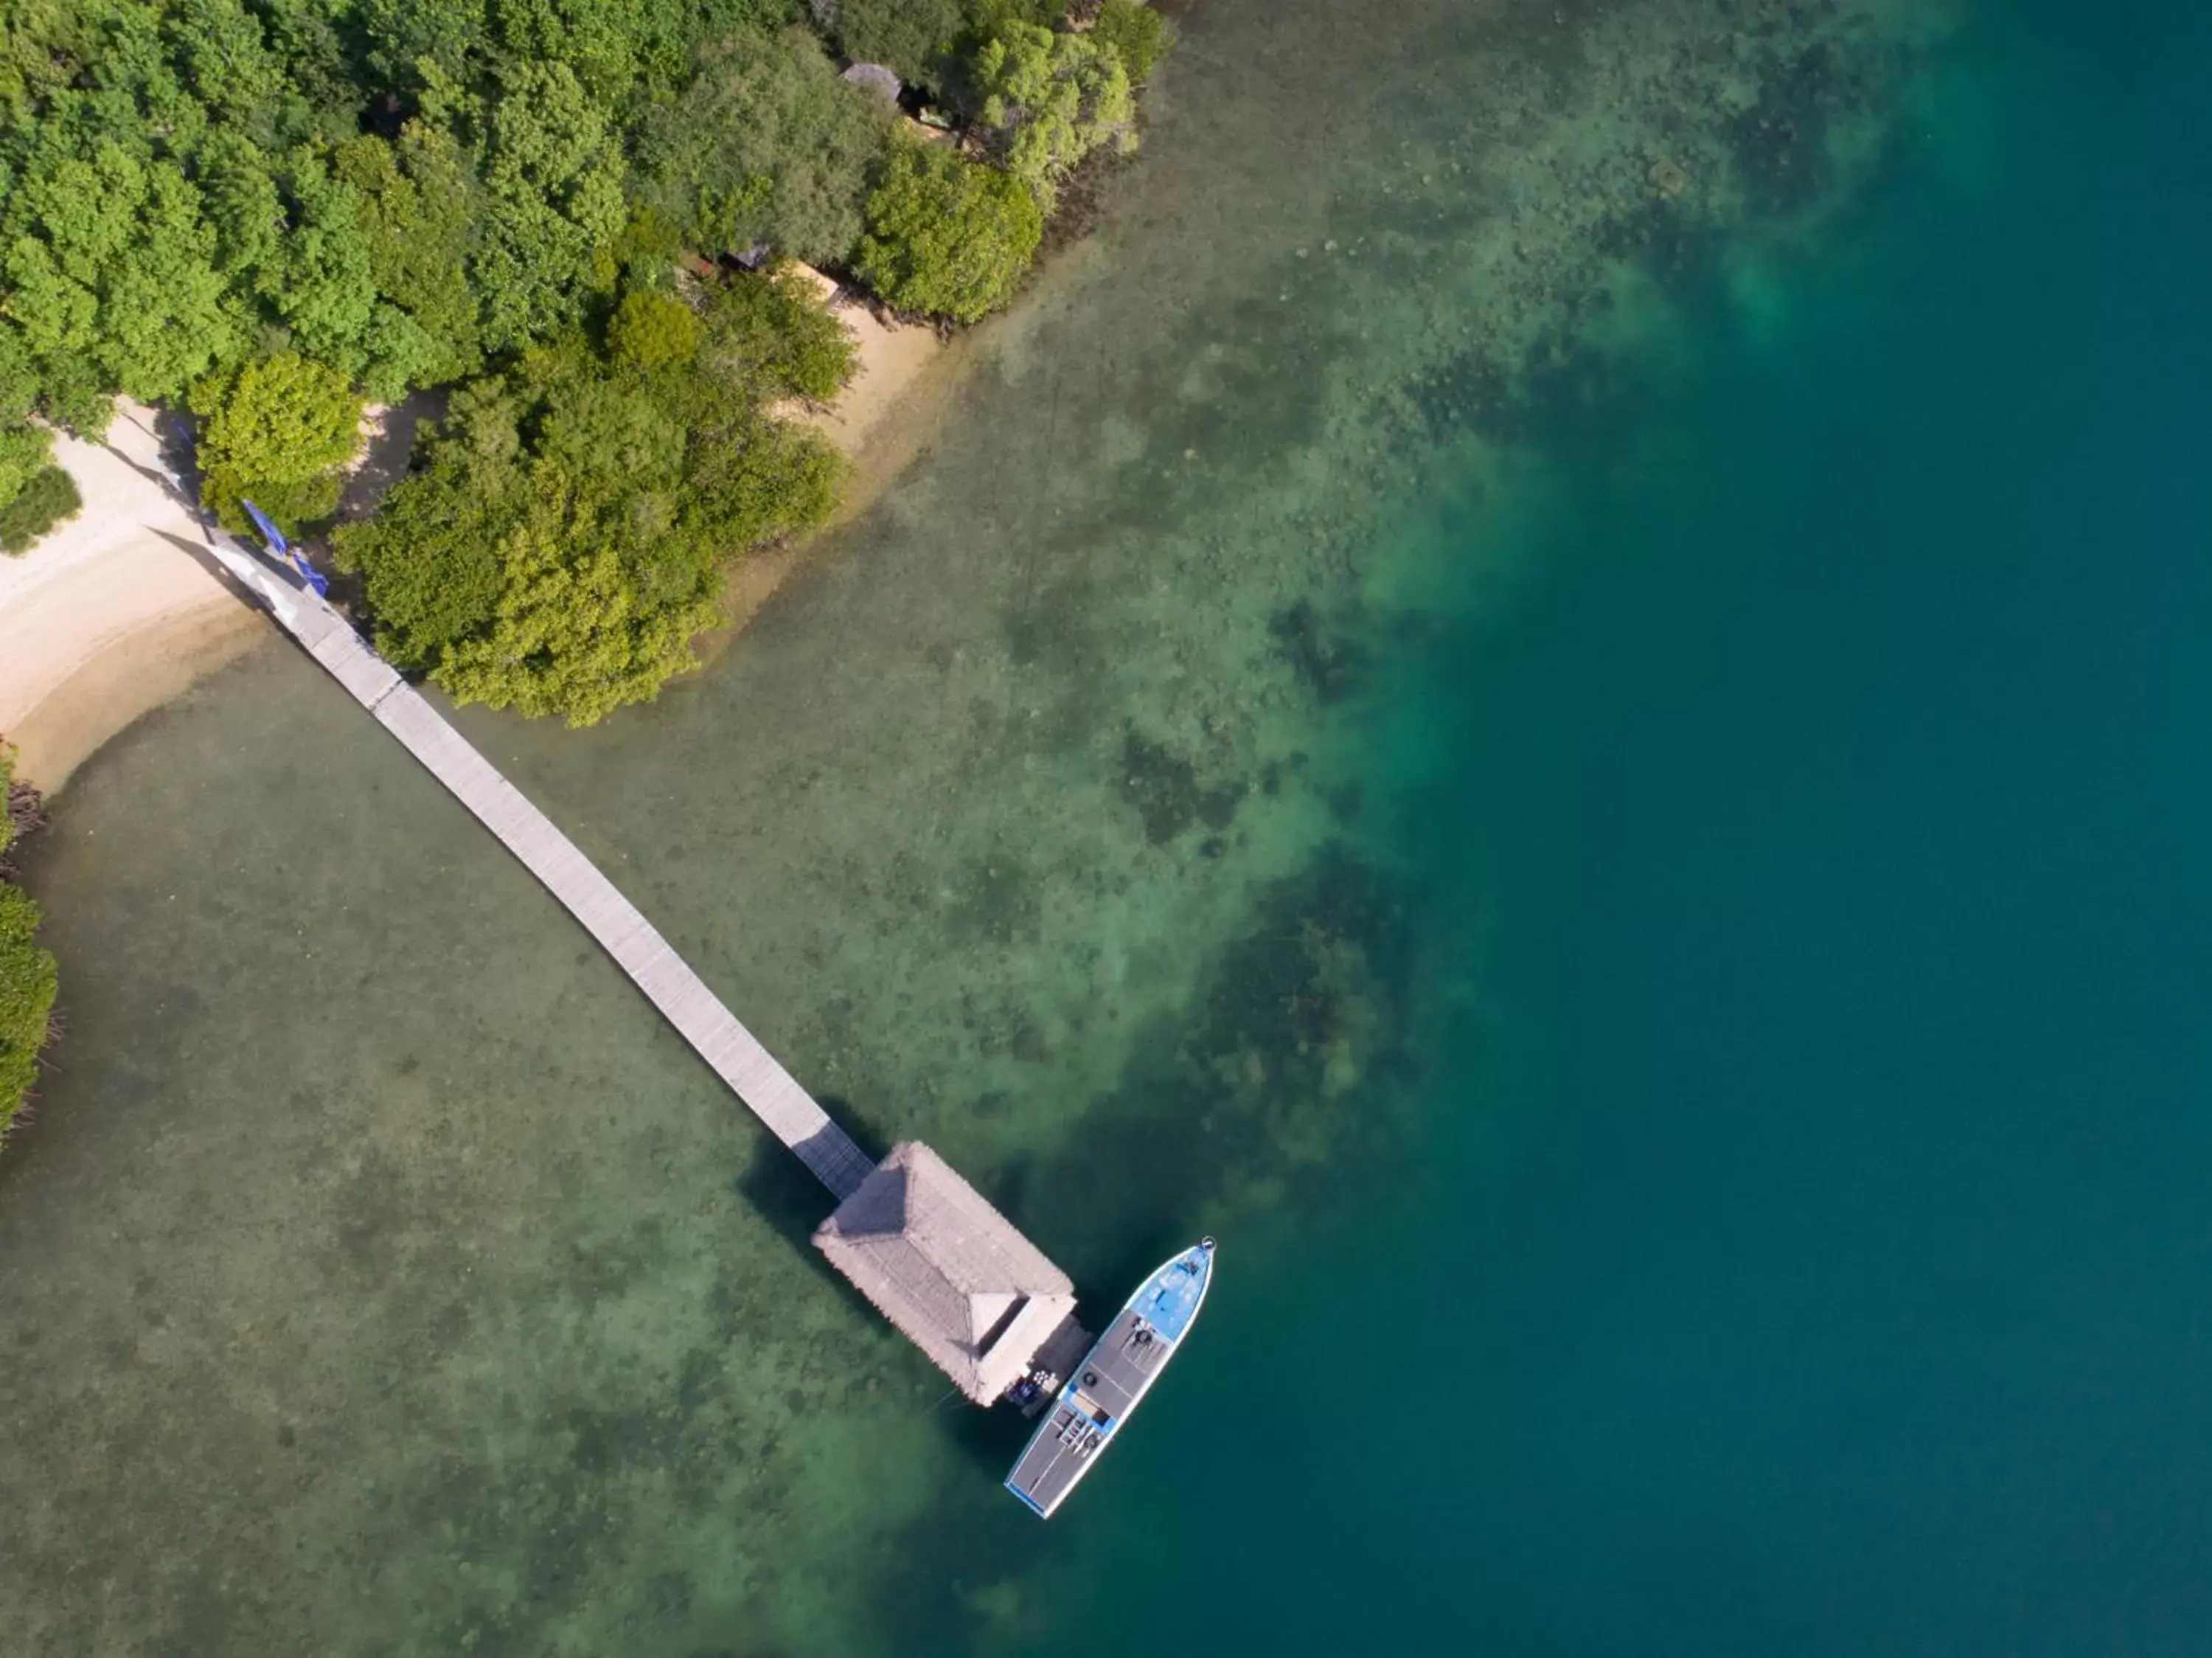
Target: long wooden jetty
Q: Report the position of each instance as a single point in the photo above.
(955, 1275)
(736, 1054)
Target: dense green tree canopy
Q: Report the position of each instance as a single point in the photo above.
(1136, 33)
(947, 236)
(397, 188)
(281, 207)
(553, 193)
(27, 974)
(109, 263)
(775, 337)
(47, 497)
(911, 36)
(405, 189)
(1048, 98)
(573, 631)
(419, 206)
(29, 980)
(430, 555)
(275, 431)
(24, 452)
(651, 330)
(562, 543)
(765, 144)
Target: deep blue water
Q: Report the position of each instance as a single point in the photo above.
(1813, 1253)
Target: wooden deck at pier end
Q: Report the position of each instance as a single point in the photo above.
(948, 1270)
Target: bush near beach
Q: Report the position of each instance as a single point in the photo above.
(279, 211)
(1046, 99)
(28, 978)
(948, 237)
(275, 431)
(558, 549)
(1139, 35)
(26, 451)
(47, 497)
(36, 495)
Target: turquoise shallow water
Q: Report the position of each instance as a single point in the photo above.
(1808, 1252)
(1670, 955)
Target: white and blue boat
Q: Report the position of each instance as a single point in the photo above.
(1098, 1396)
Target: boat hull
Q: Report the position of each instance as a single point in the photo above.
(1117, 1372)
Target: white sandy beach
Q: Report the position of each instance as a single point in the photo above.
(892, 358)
(113, 614)
(881, 421)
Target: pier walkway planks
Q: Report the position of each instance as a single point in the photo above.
(753, 1072)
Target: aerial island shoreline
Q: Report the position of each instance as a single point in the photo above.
(366, 1209)
(527, 335)
(113, 614)
(600, 255)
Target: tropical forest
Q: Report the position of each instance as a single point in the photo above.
(577, 218)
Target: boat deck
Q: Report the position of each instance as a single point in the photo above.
(1112, 1377)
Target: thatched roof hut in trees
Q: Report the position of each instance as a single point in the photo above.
(950, 1271)
(882, 81)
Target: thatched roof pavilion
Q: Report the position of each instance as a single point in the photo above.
(878, 78)
(948, 1269)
